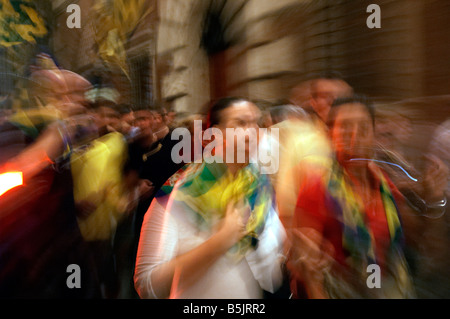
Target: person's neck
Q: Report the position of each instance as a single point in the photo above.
(359, 174)
(162, 132)
(148, 141)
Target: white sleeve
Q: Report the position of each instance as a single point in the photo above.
(157, 245)
(266, 261)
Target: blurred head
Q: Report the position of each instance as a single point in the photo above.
(170, 117)
(323, 93)
(160, 118)
(62, 89)
(351, 128)
(236, 113)
(300, 94)
(127, 120)
(145, 121)
(110, 118)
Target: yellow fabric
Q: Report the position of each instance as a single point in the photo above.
(208, 188)
(303, 148)
(97, 177)
(35, 117)
(114, 21)
(23, 25)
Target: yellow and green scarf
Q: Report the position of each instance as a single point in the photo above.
(357, 239)
(207, 188)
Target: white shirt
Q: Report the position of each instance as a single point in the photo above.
(168, 233)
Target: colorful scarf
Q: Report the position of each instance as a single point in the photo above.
(357, 238)
(206, 189)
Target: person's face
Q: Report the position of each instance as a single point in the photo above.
(128, 118)
(144, 120)
(159, 119)
(110, 118)
(241, 115)
(323, 95)
(164, 116)
(352, 132)
(170, 117)
(127, 122)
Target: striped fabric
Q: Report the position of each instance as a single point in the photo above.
(357, 239)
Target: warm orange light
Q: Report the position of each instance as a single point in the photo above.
(10, 180)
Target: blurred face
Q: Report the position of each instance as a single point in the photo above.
(128, 118)
(352, 133)
(127, 121)
(241, 115)
(170, 117)
(110, 118)
(144, 120)
(324, 94)
(160, 120)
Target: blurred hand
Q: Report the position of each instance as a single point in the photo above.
(232, 227)
(310, 253)
(146, 188)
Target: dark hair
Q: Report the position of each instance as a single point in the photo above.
(97, 104)
(355, 99)
(124, 108)
(214, 117)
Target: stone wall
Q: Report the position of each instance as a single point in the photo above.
(281, 43)
(182, 66)
(274, 45)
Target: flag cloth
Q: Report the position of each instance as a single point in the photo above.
(358, 239)
(207, 188)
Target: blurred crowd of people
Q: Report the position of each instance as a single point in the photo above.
(100, 189)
